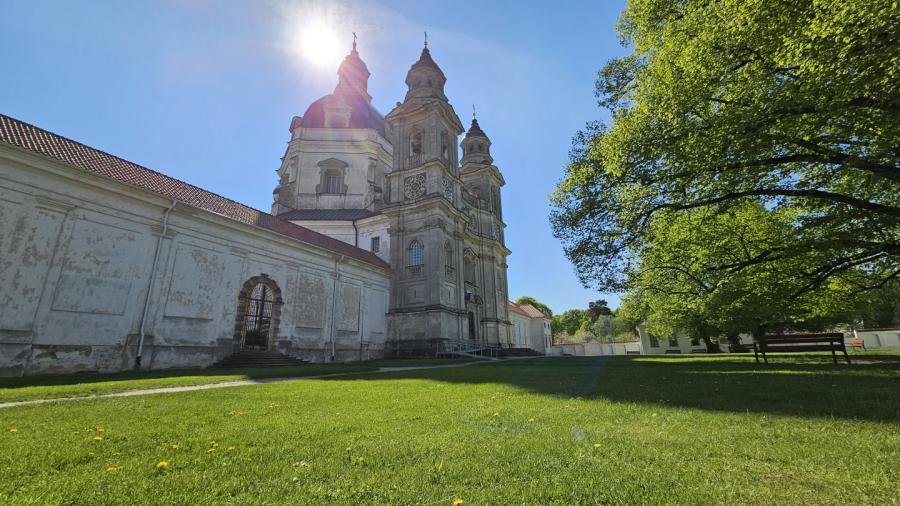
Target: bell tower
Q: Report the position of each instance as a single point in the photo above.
(426, 226)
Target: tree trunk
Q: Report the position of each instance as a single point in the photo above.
(711, 347)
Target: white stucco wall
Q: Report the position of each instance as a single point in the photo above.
(76, 268)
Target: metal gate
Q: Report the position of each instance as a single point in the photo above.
(257, 319)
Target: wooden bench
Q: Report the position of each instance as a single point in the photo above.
(858, 344)
(798, 343)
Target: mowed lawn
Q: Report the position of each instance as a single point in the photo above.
(653, 430)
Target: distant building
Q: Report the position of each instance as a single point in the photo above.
(530, 327)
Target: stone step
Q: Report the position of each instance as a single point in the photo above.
(247, 359)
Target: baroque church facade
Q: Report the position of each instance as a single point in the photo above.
(396, 186)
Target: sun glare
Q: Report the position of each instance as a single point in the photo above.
(321, 46)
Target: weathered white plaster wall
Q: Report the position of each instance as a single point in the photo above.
(77, 251)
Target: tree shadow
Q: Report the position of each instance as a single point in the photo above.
(792, 385)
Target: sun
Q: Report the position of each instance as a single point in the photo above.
(320, 45)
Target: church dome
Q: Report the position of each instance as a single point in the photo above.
(350, 105)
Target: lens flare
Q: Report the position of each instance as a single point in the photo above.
(320, 45)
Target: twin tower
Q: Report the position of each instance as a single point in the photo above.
(396, 185)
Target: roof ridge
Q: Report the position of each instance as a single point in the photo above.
(44, 130)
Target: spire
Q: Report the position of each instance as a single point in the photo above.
(353, 73)
(475, 130)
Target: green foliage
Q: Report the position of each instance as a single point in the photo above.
(699, 274)
(792, 106)
(568, 322)
(544, 308)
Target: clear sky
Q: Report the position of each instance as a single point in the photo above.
(205, 90)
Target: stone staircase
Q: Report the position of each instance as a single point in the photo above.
(518, 352)
(257, 359)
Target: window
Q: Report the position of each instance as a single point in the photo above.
(376, 244)
(448, 254)
(415, 144)
(416, 253)
(445, 150)
(332, 183)
(469, 268)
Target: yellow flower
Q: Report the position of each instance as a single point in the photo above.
(231, 448)
(162, 465)
(457, 502)
(210, 450)
(14, 430)
(98, 438)
(596, 445)
(496, 413)
(531, 419)
(174, 446)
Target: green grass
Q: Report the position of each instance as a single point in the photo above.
(680, 430)
(83, 385)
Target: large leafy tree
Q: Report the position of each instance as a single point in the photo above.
(687, 279)
(793, 105)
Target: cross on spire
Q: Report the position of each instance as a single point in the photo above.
(426, 39)
(473, 112)
(354, 41)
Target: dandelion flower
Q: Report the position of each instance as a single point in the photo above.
(162, 465)
(175, 446)
(210, 450)
(98, 438)
(596, 445)
(531, 419)
(231, 448)
(457, 502)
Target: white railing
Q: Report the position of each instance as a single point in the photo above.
(467, 347)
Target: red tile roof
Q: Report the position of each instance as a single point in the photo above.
(526, 310)
(39, 141)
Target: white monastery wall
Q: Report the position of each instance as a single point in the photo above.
(77, 255)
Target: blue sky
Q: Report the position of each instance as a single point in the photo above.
(204, 91)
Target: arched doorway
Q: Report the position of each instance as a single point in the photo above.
(258, 314)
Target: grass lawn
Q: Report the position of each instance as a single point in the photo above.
(636, 429)
(83, 385)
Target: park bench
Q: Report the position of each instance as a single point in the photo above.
(858, 344)
(798, 343)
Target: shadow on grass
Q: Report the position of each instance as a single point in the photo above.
(249, 373)
(795, 385)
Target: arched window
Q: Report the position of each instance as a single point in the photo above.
(415, 144)
(448, 255)
(416, 253)
(469, 268)
(445, 149)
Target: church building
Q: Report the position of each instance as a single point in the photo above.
(395, 185)
(381, 241)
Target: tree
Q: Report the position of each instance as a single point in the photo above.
(568, 322)
(679, 285)
(794, 106)
(597, 309)
(544, 308)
